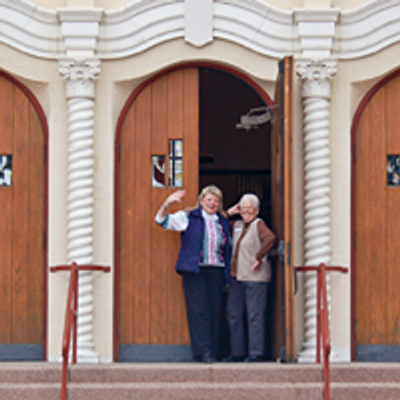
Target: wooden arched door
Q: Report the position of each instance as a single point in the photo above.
(22, 223)
(159, 117)
(376, 224)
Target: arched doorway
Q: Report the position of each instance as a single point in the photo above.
(23, 243)
(376, 224)
(196, 109)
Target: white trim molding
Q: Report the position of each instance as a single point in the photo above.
(254, 24)
(30, 29)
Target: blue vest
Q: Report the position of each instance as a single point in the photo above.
(192, 244)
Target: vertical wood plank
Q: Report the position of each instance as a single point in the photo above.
(176, 104)
(127, 224)
(190, 147)
(35, 244)
(6, 196)
(142, 257)
(377, 290)
(159, 265)
(362, 229)
(288, 204)
(20, 212)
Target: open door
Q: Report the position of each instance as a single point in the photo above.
(281, 184)
(157, 154)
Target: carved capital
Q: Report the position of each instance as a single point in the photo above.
(316, 76)
(80, 77)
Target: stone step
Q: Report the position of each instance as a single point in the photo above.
(164, 391)
(219, 372)
(201, 391)
(190, 381)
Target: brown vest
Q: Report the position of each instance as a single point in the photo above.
(248, 249)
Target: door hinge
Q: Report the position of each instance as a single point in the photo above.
(288, 254)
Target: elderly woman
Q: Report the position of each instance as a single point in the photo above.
(203, 262)
(250, 273)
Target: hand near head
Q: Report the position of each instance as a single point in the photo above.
(234, 210)
(175, 197)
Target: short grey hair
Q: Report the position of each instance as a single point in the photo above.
(253, 198)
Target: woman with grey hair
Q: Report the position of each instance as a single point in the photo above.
(250, 274)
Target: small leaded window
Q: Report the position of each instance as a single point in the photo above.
(393, 170)
(6, 170)
(175, 163)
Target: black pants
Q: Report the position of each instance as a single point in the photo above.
(247, 298)
(203, 296)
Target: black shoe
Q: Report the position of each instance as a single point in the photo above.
(254, 359)
(233, 359)
(207, 358)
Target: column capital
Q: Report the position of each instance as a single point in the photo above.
(80, 76)
(316, 76)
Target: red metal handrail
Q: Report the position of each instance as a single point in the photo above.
(71, 316)
(323, 318)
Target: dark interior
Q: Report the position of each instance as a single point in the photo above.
(236, 160)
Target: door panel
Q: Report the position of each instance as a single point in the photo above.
(22, 230)
(152, 311)
(377, 227)
(281, 181)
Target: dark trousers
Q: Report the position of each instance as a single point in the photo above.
(203, 296)
(247, 298)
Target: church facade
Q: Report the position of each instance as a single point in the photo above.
(109, 106)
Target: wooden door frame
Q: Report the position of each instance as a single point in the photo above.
(43, 121)
(353, 223)
(260, 91)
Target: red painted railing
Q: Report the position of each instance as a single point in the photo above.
(71, 316)
(323, 318)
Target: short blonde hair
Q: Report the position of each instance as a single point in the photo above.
(216, 191)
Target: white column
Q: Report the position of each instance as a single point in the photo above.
(316, 79)
(80, 76)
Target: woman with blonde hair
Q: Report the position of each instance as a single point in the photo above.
(203, 262)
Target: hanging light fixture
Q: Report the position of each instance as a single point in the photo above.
(255, 117)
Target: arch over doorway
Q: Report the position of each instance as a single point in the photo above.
(375, 224)
(166, 107)
(23, 226)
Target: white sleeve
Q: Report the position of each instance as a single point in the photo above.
(178, 221)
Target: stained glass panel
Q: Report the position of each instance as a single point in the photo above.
(6, 170)
(158, 171)
(393, 170)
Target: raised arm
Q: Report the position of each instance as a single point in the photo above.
(175, 197)
(177, 221)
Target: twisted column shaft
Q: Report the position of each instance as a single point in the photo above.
(80, 78)
(316, 78)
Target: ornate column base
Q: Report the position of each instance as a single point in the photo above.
(86, 354)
